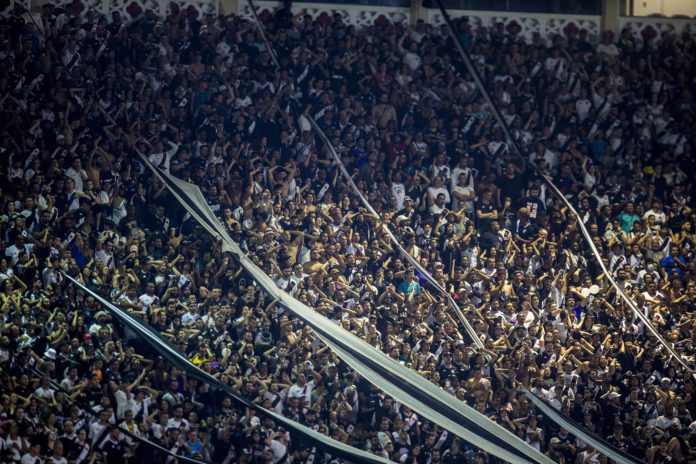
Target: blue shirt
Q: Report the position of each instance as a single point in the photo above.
(627, 221)
(671, 266)
(406, 287)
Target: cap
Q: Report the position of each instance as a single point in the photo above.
(50, 354)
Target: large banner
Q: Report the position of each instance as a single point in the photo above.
(326, 444)
(513, 143)
(394, 379)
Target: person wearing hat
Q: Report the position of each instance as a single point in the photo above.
(561, 443)
(287, 203)
(100, 320)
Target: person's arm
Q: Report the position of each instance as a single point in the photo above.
(400, 44)
(492, 215)
(136, 382)
(55, 338)
(22, 286)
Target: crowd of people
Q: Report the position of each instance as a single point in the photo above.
(609, 119)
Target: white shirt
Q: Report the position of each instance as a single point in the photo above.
(664, 423)
(583, 108)
(297, 392)
(95, 431)
(433, 192)
(163, 160)
(67, 384)
(13, 251)
(175, 423)
(148, 300)
(412, 60)
(279, 450)
(29, 459)
(399, 192)
(76, 176)
(463, 190)
(297, 279)
(611, 49)
(551, 62)
(242, 102)
(45, 393)
(190, 318)
(106, 258)
(441, 171)
(282, 283)
(468, 174)
(15, 454)
(53, 460)
(660, 216)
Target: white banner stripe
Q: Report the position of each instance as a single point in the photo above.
(323, 326)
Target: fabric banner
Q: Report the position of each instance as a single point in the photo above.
(263, 35)
(619, 290)
(595, 441)
(396, 380)
(557, 418)
(474, 74)
(327, 444)
(88, 409)
(406, 255)
(346, 175)
(573, 427)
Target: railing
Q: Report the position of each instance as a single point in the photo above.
(657, 26)
(129, 9)
(529, 23)
(356, 15)
(366, 15)
(361, 15)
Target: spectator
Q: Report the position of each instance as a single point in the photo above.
(200, 97)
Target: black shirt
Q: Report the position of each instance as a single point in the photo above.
(535, 207)
(114, 452)
(486, 208)
(526, 231)
(510, 187)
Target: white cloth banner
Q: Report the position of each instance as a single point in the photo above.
(394, 379)
(334, 447)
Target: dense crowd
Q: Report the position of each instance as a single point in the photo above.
(610, 119)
